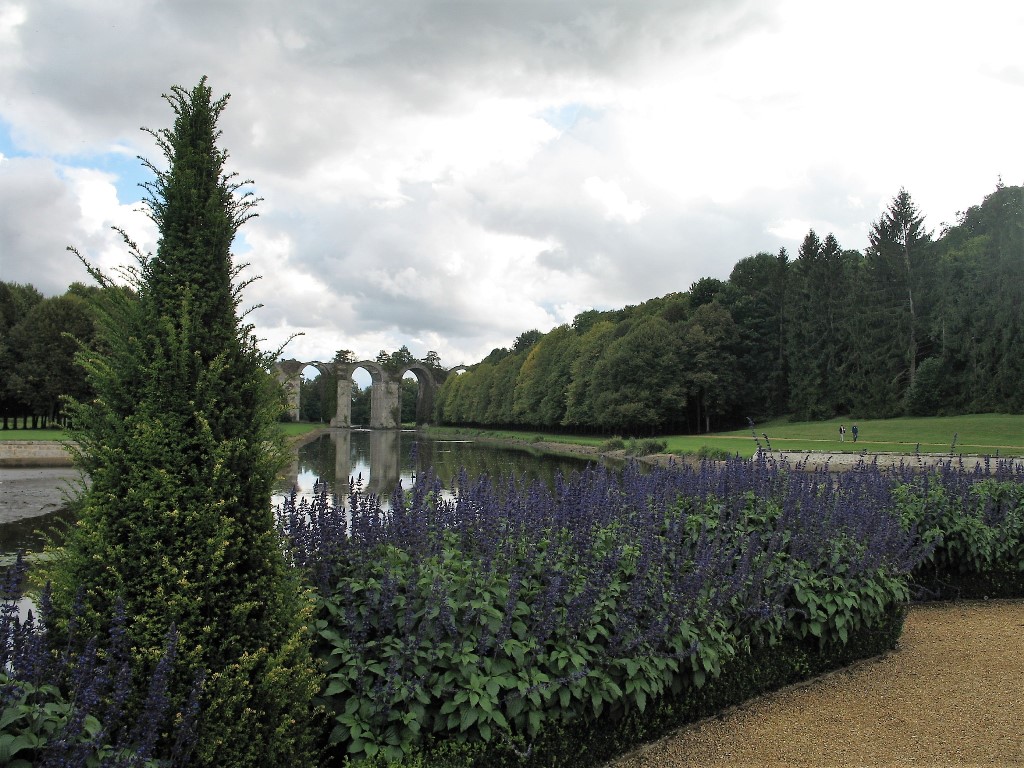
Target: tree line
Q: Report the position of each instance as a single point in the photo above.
(38, 340)
(39, 337)
(915, 325)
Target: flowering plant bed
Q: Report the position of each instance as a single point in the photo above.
(496, 623)
(482, 619)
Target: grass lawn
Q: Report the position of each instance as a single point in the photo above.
(992, 434)
(290, 429)
(32, 434)
(297, 428)
(989, 433)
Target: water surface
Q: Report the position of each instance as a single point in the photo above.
(377, 460)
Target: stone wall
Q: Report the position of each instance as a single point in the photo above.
(33, 453)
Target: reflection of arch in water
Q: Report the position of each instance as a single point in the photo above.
(341, 441)
(386, 392)
(329, 458)
(385, 464)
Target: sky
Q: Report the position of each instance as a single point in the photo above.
(448, 175)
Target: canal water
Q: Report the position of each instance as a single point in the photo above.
(376, 460)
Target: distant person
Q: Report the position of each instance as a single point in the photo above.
(853, 429)
(842, 434)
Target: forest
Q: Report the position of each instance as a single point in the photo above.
(917, 324)
(38, 340)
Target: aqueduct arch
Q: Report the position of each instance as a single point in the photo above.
(385, 396)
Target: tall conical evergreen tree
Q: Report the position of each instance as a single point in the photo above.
(182, 451)
(899, 265)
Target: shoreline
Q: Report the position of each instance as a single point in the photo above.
(34, 453)
(800, 460)
(34, 473)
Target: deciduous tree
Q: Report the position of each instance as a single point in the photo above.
(41, 366)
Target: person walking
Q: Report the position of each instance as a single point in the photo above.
(853, 429)
(842, 434)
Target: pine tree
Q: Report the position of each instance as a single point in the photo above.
(182, 451)
(898, 268)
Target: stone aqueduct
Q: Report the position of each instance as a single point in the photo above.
(385, 396)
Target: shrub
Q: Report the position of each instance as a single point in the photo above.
(182, 449)
(646, 447)
(713, 454)
(975, 524)
(613, 444)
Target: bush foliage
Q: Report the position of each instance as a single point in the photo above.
(68, 705)
(181, 449)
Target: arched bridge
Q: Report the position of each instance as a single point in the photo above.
(385, 395)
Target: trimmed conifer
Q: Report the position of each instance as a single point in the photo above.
(182, 452)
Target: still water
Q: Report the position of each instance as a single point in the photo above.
(377, 460)
(380, 459)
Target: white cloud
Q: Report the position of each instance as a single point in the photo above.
(614, 200)
(447, 176)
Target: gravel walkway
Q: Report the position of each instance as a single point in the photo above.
(951, 694)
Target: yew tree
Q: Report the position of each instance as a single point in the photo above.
(181, 449)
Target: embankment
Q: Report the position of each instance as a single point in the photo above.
(33, 453)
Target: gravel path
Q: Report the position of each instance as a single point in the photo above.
(951, 694)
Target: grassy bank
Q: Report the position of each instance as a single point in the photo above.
(289, 429)
(32, 434)
(985, 434)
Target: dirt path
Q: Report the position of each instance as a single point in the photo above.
(951, 694)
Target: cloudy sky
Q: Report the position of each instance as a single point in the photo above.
(447, 175)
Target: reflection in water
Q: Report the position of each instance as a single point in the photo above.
(379, 459)
(30, 533)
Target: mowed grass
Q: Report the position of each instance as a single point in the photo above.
(290, 429)
(32, 434)
(986, 434)
(299, 428)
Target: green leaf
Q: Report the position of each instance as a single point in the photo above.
(335, 687)
(533, 722)
(9, 715)
(641, 699)
(467, 719)
(699, 678)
